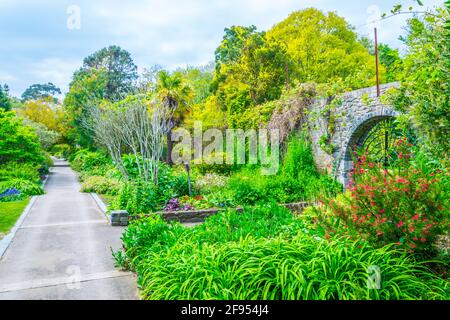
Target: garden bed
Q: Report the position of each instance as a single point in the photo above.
(193, 216)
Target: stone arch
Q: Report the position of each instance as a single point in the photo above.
(357, 113)
(356, 136)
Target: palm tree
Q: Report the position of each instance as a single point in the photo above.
(175, 94)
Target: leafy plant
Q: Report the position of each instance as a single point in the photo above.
(402, 204)
(25, 187)
(266, 253)
(101, 185)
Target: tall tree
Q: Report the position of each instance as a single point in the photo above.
(41, 91)
(176, 96)
(5, 102)
(87, 87)
(425, 88)
(121, 72)
(325, 49)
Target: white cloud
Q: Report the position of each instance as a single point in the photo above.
(56, 70)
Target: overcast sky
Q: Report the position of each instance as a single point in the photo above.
(37, 46)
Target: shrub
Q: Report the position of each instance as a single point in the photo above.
(263, 254)
(95, 163)
(403, 204)
(18, 142)
(298, 180)
(24, 171)
(100, 185)
(247, 188)
(138, 197)
(25, 187)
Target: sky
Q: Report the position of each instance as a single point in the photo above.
(46, 41)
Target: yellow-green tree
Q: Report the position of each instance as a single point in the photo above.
(325, 49)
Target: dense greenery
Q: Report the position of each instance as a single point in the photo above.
(265, 253)
(424, 95)
(116, 128)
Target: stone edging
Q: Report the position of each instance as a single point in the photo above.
(121, 217)
(6, 241)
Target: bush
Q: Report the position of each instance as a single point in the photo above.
(405, 205)
(95, 163)
(101, 185)
(298, 180)
(18, 142)
(25, 187)
(265, 253)
(24, 171)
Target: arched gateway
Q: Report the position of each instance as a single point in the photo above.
(352, 122)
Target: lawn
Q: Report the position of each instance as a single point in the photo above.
(10, 212)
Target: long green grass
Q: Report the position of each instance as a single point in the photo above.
(266, 254)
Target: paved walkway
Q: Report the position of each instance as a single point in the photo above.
(62, 250)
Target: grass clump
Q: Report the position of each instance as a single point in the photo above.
(266, 253)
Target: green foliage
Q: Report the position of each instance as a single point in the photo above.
(39, 91)
(87, 87)
(95, 163)
(265, 253)
(139, 197)
(5, 102)
(425, 89)
(250, 70)
(325, 49)
(391, 60)
(120, 70)
(18, 143)
(24, 171)
(298, 180)
(26, 187)
(100, 185)
(47, 138)
(61, 150)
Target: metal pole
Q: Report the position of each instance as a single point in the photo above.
(376, 62)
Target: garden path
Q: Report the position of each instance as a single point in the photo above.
(62, 249)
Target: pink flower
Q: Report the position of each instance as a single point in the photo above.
(400, 224)
(381, 210)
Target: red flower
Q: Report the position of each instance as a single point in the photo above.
(400, 224)
(415, 217)
(423, 240)
(415, 238)
(381, 210)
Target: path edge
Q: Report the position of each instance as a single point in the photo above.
(6, 241)
(101, 205)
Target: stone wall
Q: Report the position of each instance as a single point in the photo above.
(358, 112)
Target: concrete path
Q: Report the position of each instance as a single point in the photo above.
(62, 250)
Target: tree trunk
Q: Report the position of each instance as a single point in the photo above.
(169, 147)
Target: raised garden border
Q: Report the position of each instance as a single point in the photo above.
(122, 218)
